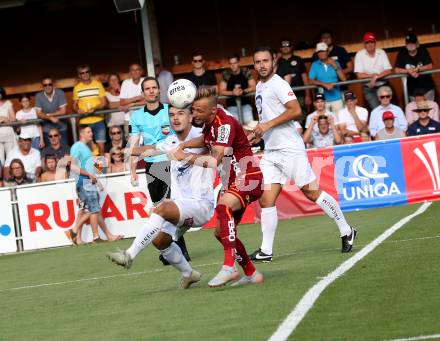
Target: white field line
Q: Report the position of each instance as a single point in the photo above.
(421, 337)
(307, 301)
(195, 266)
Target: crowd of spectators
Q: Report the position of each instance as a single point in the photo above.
(31, 152)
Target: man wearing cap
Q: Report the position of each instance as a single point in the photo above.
(320, 109)
(424, 125)
(293, 70)
(29, 156)
(371, 62)
(419, 95)
(389, 131)
(325, 72)
(385, 94)
(353, 120)
(413, 59)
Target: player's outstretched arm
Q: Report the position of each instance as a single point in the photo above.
(147, 150)
(197, 142)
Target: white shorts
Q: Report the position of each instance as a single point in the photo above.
(193, 213)
(278, 166)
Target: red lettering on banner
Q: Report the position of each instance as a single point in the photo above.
(138, 207)
(70, 214)
(109, 209)
(41, 218)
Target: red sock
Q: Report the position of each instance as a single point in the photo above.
(243, 258)
(227, 233)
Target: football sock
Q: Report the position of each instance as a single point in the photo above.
(146, 234)
(331, 207)
(243, 258)
(173, 254)
(227, 233)
(269, 223)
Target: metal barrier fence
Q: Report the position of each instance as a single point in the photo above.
(73, 117)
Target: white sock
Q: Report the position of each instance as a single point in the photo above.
(331, 207)
(269, 223)
(146, 235)
(175, 257)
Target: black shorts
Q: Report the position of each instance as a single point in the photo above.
(158, 180)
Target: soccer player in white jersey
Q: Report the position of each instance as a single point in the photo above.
(284, 155)
(191, 203)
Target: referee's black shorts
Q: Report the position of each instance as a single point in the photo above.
(158, 180)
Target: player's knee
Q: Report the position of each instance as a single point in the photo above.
(162, 241)
(162, 209)
(266, 202)
(311, 194)
(222, 211)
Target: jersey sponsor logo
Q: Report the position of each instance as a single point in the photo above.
(259, 106)
(165, 129)
(223, 133)
(290, 93)
(429, 159)
(293, 63)
(182, 170)
(231, 228)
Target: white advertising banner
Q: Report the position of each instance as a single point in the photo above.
(7, 229)
(47, 212)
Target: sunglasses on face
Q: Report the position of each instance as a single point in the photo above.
(385, 96)
(47, 84)
(51, 136)
(116, 133)
(197, 60)
(116, 154)
(84, 72)
(421, 110)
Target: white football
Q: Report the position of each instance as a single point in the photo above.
(181, 93)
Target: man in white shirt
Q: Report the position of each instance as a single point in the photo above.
(353, 120)
(371, 62)
(191, 203)
(131, 92)
(385, 95)
(29, 156)
(285, 156)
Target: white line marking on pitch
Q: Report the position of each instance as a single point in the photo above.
(195, 266)
(422, 337)
(307, 301)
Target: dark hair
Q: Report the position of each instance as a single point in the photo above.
(82, 66)
(419, 92)
(17, 161)
(82, 127)
(24, 96)
(265, 49)
(50, 157)
(197, 53)
(149, 78)
(46, 77)
(113, 74)
(326, 31)
(235, 55)
(2, 93)
(285, 39)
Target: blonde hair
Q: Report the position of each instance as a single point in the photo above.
(209, 92)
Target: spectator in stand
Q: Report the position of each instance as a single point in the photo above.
(164, 78)
(56, 146)
(50, 104)
(371, 62)
(326, 135)
(384, 95)
(117, 163)
(131, 93)
(1, 175)
(353, 120)
(7, 134)
(28, 113)
(337, 53)
(389, 131)
(419, 95)
(50, 168)
(88, 96)
(320, 110)
(425, 124)
(238, 81)
(112, 94)
(18, 174)
(413, 59)
(30, 157)
(199, 75)
(325, 72)
(293, 70)
(116, 141)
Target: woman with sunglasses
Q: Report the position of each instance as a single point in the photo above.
(116, 160)
(116, 141)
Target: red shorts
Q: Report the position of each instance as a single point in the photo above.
(247, 189)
